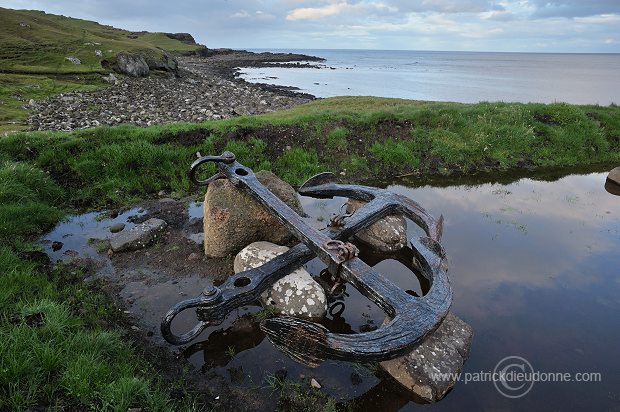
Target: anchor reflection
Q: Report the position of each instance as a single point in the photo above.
(244, 334)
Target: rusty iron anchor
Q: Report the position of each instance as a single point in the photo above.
(411, 318)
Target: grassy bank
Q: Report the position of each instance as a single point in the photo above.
(58, 343)
(359, 138)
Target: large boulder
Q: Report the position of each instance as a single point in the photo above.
(387, 235)
(233, 219)
(296, 294)
(429, 371)
(137, 237)
(165, 62)
(133, 65)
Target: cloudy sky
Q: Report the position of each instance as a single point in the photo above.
(480, 25)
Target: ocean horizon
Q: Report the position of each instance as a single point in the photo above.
(454, 76)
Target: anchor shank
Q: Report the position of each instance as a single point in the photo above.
(311, 237)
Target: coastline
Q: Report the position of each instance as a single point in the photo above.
(206, 88)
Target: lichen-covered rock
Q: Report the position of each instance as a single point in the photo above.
(296, 294)
(233, 219)
(442, 353)
(387, 235)
(132, 65)
(138, 236)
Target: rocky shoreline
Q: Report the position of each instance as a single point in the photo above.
(206, 87)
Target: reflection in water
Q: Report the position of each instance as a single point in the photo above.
(534, 269)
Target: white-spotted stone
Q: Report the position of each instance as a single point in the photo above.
(442, 353)
(296, 294)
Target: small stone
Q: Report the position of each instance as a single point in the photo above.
(315, 384)
(138, 236)
(386, 235)
(117, 227)
(57, 245)
(193, 256)
(73, 60)
(614, 176)
(98, 53)
(161, 193)
(110, 78)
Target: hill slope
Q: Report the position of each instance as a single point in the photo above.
(37, 42)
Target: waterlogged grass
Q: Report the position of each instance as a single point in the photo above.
(55, 352)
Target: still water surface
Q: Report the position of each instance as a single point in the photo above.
(465, 77)
(535, 269)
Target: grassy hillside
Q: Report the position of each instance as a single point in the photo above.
(37, 42)
(33, 50)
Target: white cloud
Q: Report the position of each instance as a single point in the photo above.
(312, 13)
(241, 14)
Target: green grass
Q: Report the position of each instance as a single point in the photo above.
(108, 166)
(54, 351)
(337, 138)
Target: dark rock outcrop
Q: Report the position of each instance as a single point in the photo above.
(182, 37)
(166, 62)
(133, 65)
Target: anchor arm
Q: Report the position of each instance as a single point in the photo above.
(412, 318)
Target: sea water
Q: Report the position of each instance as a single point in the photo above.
(466, 77)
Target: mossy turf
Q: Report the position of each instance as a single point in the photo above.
(54, 349)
